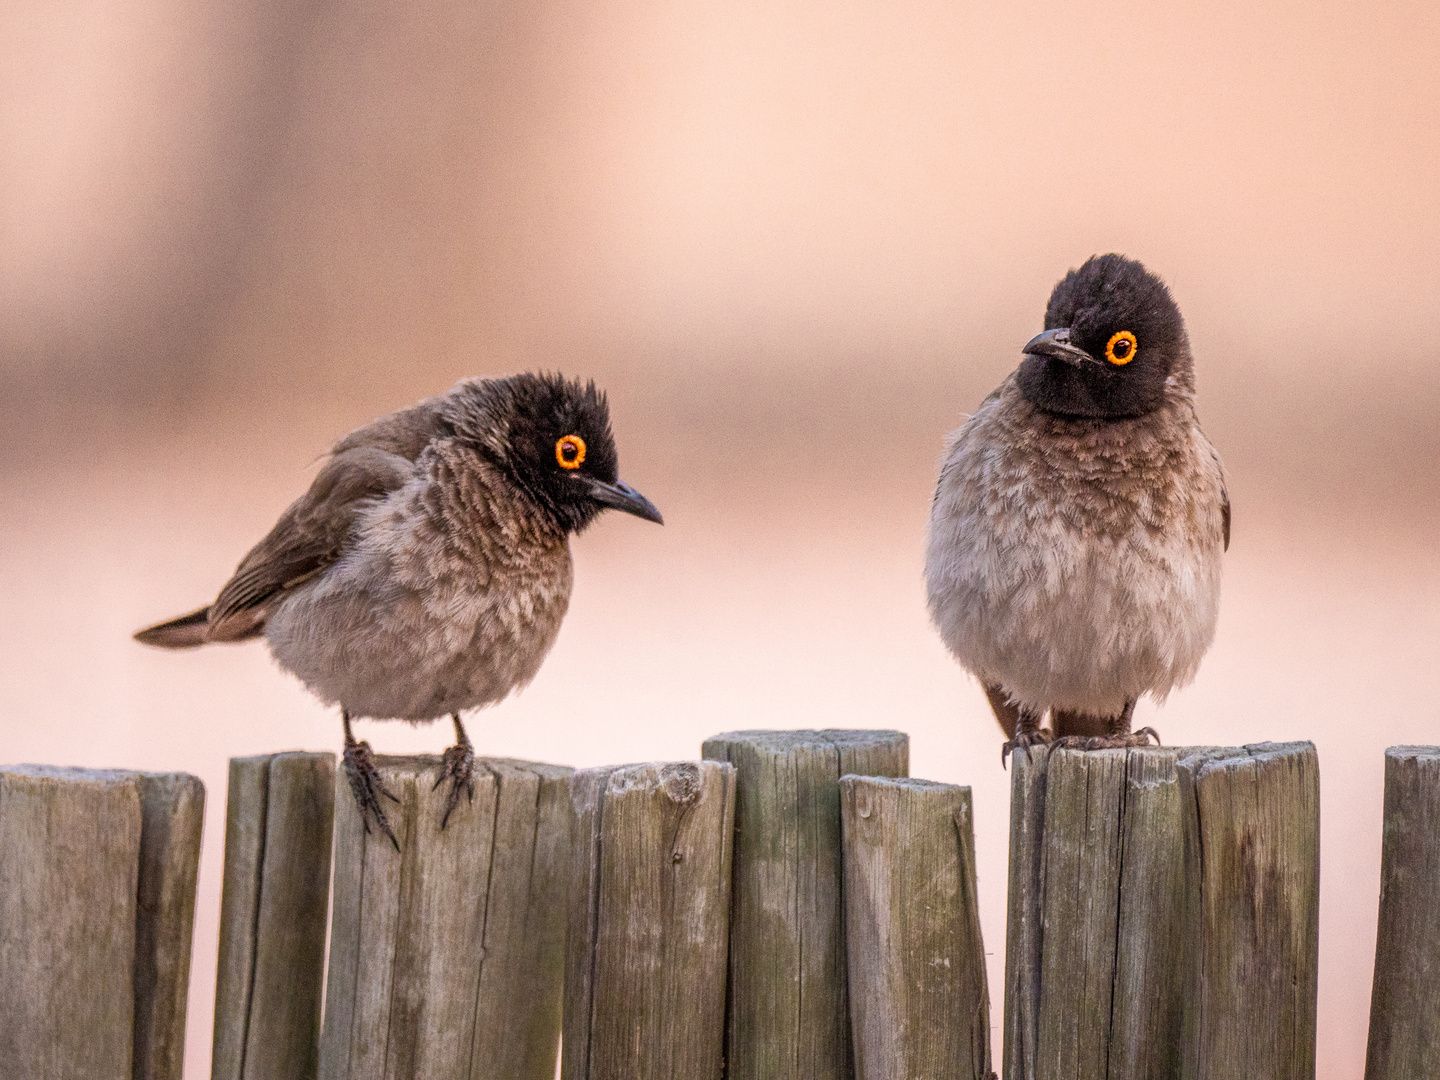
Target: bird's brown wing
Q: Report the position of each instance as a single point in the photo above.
(1225, 515)
(312, 534)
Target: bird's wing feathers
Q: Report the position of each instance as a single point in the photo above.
(1225, 514)
(1224, 495)
(311, 535)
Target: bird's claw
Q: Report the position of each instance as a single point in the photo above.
(459, 769)
(367, 787)
(1109, 742)
(1023, 740)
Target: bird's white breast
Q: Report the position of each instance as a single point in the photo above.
(1078, 571)
(426, 616)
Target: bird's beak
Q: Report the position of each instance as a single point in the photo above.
(1056, 345)
(621, 496)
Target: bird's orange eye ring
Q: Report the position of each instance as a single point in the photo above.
(570, 452)
(1121, 348)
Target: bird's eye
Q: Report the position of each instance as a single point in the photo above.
(1121, 348)
(570, 452)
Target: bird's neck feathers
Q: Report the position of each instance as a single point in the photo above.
(475, 496)
(1096, 395)
(1173, 418)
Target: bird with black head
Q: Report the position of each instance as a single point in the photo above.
(1073, 559)
(427, 569)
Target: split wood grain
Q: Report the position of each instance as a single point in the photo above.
(1257, 821)
(172, 819)
(1405, 998)
(649, 918)
(1404, 1002)
(789, 1015)
(1160, 900)
(97, 895)
(445, 957)
(919, 1005)
(278, 825)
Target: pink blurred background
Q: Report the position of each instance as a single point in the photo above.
(797, 241)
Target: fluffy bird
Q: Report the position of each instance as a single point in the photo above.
(1074, 547)
(428, 568)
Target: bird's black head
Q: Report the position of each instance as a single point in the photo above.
(1113, 338)
(551, 435)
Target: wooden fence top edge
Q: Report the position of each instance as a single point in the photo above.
(1412, 752)
(288, 754)
(422, 762)
(786, 737)
(644, 768)
(911, 783)
(79, 774)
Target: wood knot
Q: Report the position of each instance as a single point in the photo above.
(682, 781)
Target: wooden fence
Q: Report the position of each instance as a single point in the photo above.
(791, 906)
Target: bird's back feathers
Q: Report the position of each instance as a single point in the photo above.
(312, 533)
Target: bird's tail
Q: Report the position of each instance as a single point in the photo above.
(186, 632)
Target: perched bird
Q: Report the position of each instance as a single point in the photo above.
(1075, 538)
(427, 569)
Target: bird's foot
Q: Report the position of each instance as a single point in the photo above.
(459, 769)
(1024, 740)
(1109, 742)
(367, 787)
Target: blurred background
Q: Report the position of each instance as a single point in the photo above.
(797, 241)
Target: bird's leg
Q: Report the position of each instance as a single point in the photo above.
(1028, 733)
(1120, 729)
(459, 762)
(365, 782)
(1007, 713)
(1117, 732)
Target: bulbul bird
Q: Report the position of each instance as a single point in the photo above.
(427, 569)
(1075, 538)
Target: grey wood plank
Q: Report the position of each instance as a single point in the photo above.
(1028, 775)
(918, 998)
(246, 804)
(1258, 815)
(414, 932)
(69, 874)
(1079, 906)
(282, 1039)
(788, 1016)
(522, 971)
(342, 973)
(1405, 997)
(659, 840)
(172, 820)
(1153, 950)
(1160, 900)
(587, 803)
(279, 818)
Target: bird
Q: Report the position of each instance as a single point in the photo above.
(1075, 540)
(427, 569)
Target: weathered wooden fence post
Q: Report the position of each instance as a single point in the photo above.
(919, 1005)
(789, 1016)
(1405, 1000)
(278, 819)
(1160, 901)
(446, 957)
(649, 912)
(97, 904)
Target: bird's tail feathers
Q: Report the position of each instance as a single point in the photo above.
(186, 632)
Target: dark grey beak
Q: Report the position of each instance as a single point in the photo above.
(1056, 345)
(621, 496)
